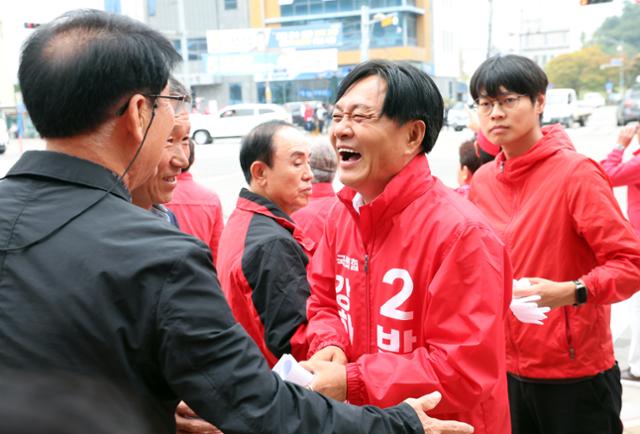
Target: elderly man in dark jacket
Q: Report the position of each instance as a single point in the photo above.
(93, 285)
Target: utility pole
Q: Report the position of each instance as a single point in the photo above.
(490, 28)
(364, 33)
(182, 28)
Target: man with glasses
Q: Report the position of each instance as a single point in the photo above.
(158, 190)
(555, 211)
(92, 285)
(409, 284)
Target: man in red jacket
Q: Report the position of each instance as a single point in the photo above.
(555, 211)
(262, 265)
(410, 285)
(197, 208)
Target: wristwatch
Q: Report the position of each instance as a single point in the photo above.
(581, 293)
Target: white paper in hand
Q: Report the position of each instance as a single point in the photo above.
(290, 370)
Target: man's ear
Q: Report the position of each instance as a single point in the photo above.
(415, 134)
(258, 171)
(466, 174)
(137, 117)
(540, 102)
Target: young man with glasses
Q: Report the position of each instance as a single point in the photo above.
(555, 210)
(409, 284)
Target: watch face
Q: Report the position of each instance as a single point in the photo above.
(581, 293)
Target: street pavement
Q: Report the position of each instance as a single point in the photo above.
(217, 167)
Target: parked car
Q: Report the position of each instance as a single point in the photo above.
(4, 134)
(593, 99)
(234, 121)
(629, 107)
(562, 106)
(458, 116)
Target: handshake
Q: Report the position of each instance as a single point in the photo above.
(526, 308)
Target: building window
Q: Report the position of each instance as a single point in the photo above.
(197, 47)
(230, 4)
(235, 93)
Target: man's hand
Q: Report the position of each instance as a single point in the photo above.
(188, 422)
(552, 294)
(436, 426)
(627, 133)
(330, 354)
(330, 378)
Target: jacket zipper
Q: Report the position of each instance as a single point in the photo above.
(572, 351)
(366, 279)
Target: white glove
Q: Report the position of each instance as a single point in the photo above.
(525, 308)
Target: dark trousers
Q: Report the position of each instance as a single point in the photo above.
(583, 407)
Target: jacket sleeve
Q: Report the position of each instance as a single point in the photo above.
(276, 272)
(621, 173)
(324, 326)
(211, 363)
(463, 354)
(216, 230)
(598, 219)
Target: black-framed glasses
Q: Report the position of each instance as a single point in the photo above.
(179, 103)
(485, 106)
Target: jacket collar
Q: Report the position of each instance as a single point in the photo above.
(257, 204)
(404, 188)
(554, 139)
(63, 167)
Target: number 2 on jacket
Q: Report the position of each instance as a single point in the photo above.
(386, 340)
(390, 341)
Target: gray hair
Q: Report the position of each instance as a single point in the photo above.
(324, 161)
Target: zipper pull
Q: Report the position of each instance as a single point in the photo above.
(366, 263)
(502, 167)
(572, 353)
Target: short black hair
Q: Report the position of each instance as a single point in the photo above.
(75, 69)
(411, 95)
(515, 73)
(468, 156)
(257, 145)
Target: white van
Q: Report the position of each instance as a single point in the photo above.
(562, 107)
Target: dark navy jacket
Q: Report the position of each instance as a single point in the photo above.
(93, 285)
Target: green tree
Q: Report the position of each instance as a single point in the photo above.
(580, 69)
(619, 37)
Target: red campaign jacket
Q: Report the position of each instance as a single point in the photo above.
(311, 218)
(262, 270)
(198, 211)
(555, 211)
(415, 290)
(627, 173)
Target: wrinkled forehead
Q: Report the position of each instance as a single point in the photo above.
(288, 141)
